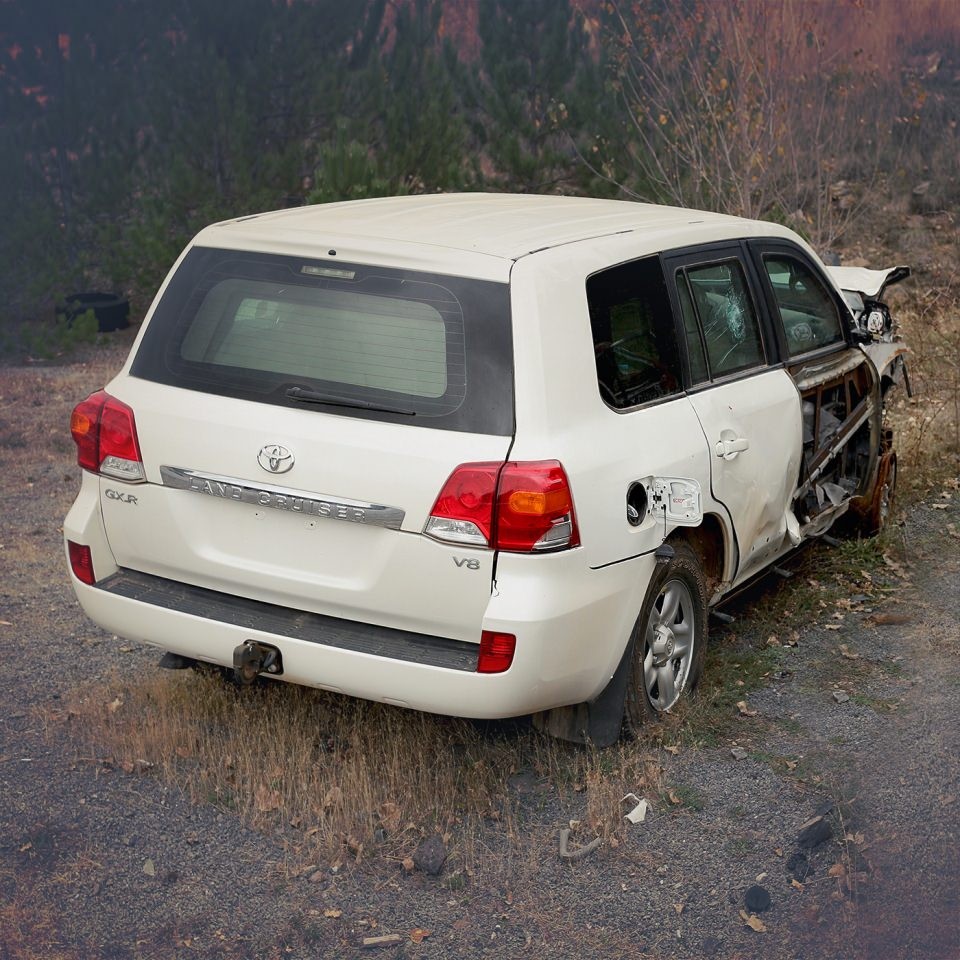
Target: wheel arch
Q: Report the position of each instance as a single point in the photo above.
(714, 548)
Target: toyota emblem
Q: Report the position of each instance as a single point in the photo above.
(275, 458)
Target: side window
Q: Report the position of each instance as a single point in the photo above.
(731, 330)
(633, 334)
(809, 315)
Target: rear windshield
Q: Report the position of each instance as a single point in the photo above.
(354, 340)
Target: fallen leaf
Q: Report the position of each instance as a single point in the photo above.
(796, 884)
(614, 843)
(408, 864)
(745, 710)
(837, 870)
(947, 800)
(418, 935)
(674, 796)
(26, 847)
(672, 749)
(333, 796)
(149, 869)
(832, 626)
(846, 654)
(5, 623)
(183, 752)
(115, 705)
(679, 907)
(791, 764)
(753, 921)
(888, 619)
(333, 914)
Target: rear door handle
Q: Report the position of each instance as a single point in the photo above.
(729, 448)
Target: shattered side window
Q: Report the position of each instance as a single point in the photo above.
(731, 330)
(809, 315)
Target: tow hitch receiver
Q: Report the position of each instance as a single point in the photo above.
(252, 658)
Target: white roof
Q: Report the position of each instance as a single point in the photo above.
(455, 232)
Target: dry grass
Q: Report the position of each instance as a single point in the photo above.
(341, 779)
(929, 424)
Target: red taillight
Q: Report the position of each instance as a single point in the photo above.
(535, 508)
(105, 433)
(463, 512)
(516, 506)
(81, 562)
(496, 652)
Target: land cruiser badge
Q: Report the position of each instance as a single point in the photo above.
(275, 458)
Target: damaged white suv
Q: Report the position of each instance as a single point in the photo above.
(480, 455)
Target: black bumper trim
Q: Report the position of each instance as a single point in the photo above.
(297, 624)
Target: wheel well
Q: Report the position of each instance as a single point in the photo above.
(708, 542)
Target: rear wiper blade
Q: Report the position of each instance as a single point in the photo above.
(313, 396)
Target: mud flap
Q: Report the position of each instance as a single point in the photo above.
(597, 721)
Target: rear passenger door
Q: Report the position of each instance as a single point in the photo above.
(747, 405)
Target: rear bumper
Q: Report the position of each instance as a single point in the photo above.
(571, 626)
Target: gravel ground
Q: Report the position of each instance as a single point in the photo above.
(99, 864)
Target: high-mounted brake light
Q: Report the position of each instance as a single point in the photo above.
(517, 506)
(105, 433)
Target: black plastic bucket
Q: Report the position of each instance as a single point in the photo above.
(111, 310)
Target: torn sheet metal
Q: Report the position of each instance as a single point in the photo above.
(867, 283)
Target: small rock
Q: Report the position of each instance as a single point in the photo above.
(841, 696)
(757, 899)
(431, 855)
(798, 866)
(738, 753)
(814, 832)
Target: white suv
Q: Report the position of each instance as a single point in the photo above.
(481, 455)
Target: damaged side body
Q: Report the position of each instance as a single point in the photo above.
(848, 457)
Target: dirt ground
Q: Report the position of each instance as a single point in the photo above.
(858, 723)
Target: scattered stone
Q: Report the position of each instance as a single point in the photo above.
(431, 855)
(738, 753)
(757, 899)
(798, 866)
(814, 832)
(841, 696)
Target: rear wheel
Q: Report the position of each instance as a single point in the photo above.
(669, 639)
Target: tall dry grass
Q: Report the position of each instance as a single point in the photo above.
(344, 780)
(928, 425)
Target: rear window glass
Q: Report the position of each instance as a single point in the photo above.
(352, 340)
